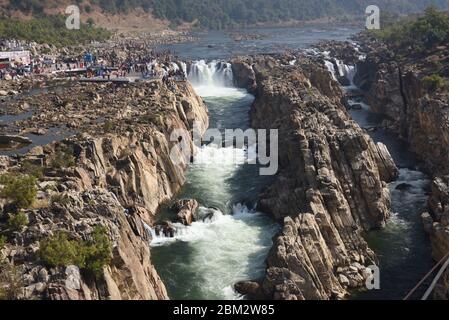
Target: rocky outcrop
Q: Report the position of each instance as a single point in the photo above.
(396, 90)
(394, 86)
(118, 180)
(244, 76)
(129, 276)
(186, 211)
(436, 224)
(331, 187)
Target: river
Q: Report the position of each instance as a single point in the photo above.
(205, 260)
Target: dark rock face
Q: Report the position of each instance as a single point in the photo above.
(331, 187)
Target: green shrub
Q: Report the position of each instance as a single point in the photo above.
(11, 282)
(17, 222)
(62, 158)
(108, 126)
(59, 251)
(60, 199)
(2, 242)
(433, 82)
(21, 189)
(32, 169)
(91, 255)
(97, 251)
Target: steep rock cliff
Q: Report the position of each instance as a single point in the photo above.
(394, 86)
(331, 187)
(118, 180)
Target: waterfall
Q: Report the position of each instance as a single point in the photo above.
(331, 68)
(183, 67)
(343, 70)
(346, 71)
(214, 73)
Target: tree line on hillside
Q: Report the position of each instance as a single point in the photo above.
(219, 14)
(50, 30)
(420, 33)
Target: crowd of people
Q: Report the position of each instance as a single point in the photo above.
(119, 60)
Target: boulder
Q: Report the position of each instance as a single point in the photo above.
(251, 289)
(186, 211)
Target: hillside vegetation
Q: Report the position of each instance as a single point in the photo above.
(423, 41)
(416, 34)
(219, 14)
(51, 30)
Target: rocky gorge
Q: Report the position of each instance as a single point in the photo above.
(98, 159)
(398, 85)
(114, 173)
(332, 185)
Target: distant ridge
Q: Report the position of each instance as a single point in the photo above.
(218, 14)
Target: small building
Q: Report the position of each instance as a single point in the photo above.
(15, 57)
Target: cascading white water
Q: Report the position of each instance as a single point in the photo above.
(331, 68)
(229, 242)
(211, 74)
(343, 70)
(346, 71)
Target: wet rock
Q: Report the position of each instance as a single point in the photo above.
(165, 229)
(244, 75)
(186, 211)
(251, 289)
(38, 132)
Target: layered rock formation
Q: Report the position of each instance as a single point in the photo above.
(119, 177)
(395, 87)
(331, 187)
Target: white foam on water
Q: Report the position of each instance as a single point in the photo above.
(331, 68)
(228, 248)
(214, 79)
(346, 71)
(214, 73)
(219, 158)
(208, 91)
(412, 196)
